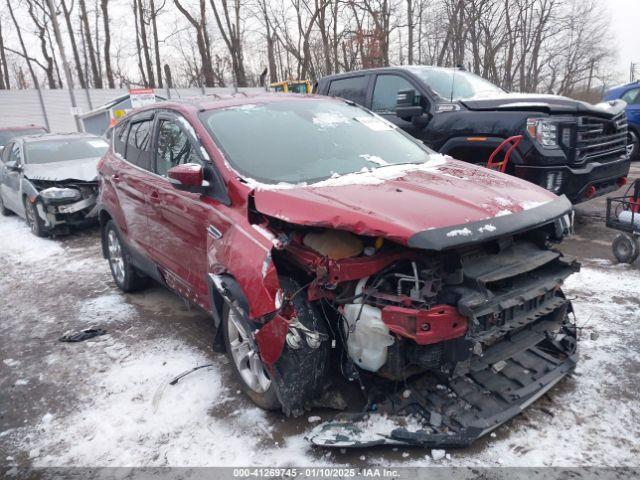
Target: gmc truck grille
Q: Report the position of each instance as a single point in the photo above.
(600, 140)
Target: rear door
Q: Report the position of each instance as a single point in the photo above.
(178, 220)
(131, 177)
(354, 88)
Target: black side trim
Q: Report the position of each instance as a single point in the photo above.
(469, 233)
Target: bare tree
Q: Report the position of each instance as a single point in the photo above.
(104, 7)
(4, 67)
(91, 53)
(231, 31)
(202, 40)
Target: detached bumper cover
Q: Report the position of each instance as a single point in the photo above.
(499, 385)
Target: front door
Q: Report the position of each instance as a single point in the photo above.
(177, 220)
(384, 100)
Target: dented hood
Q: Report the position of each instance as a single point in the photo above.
(435, 207)
(83, 169)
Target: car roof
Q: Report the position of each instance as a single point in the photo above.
(404, 68)
(215, 102)
(38, 137)
(21, 127)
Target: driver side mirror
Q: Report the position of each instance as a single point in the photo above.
(408, 105)
(13, 166)
(188, 177)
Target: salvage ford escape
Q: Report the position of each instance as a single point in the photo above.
(327, 244)
(50, 180)
(568, 147)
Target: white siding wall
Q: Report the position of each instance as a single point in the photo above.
(21, 107)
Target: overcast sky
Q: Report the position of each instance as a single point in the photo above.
(625, 25)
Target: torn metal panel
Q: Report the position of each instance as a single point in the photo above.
(437, 412)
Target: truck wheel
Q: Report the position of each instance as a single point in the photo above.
(126, 276)
(36, 224)
(4, 211)
(246, 363)
(625, 248)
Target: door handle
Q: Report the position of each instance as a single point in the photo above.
(115, 178)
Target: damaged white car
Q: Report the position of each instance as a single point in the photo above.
(51, 180)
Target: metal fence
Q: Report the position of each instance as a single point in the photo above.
(22, 107)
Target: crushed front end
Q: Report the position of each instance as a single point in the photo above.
(65, 204)
(447, 342)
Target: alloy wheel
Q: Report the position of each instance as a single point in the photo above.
(116, 259)
(245, 356)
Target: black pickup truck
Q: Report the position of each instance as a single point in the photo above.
(569, 147)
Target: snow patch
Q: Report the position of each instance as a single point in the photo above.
(464, 232)
(487, 228)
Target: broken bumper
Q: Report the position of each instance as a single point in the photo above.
(81, 212)
(441, 413)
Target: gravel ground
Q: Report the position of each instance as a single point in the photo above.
(107, 402)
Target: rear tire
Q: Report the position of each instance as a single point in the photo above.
(625, 248)
(36, 224)
(127, 277)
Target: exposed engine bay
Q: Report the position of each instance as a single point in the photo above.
(63, 204)
(461, 340)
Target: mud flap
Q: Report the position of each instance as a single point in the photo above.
(436, 412)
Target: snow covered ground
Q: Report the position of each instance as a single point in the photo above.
(107, 402)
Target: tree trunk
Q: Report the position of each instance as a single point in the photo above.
(156, 42)
(410, 32)
(202, 40)
(145, 45)
(4, 68)
(104, 6)
(84, 18)
(74, 45)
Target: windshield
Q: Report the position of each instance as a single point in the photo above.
(9, 134)
(308, 140)
(453, 84)
(60, 150)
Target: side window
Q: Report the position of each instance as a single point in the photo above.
(386, 91)
(15, 155)
(138, 142)
(6, 151)
(632, 96)
(173, 148)
(353, 88)
(120, 138)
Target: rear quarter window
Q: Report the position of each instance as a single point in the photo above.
(352, 88)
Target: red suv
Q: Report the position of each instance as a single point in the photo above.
(329, 245)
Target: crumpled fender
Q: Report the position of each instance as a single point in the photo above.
(261, 291)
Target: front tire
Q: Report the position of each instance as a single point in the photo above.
(126, 276)
(35, 223)
(625, 248)
(301, 370)
(246, 363)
